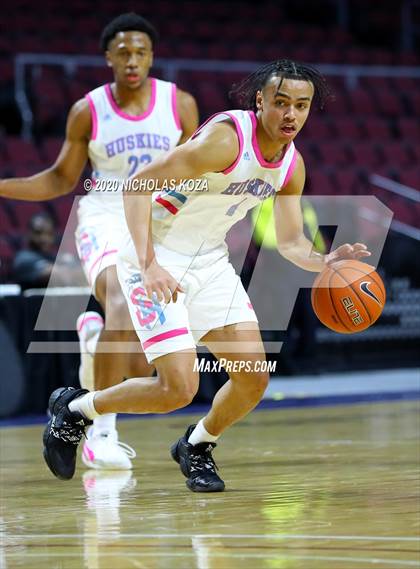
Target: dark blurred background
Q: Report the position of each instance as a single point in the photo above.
(366, 142)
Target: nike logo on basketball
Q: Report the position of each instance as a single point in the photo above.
(364, 287)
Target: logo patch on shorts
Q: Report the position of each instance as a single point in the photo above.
(148, 312)
(87, 244)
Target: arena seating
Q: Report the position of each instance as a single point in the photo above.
(369, 128)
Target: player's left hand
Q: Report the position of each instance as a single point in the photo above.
(356, 251)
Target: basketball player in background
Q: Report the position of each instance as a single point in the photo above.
(119, 128)
(182, 280)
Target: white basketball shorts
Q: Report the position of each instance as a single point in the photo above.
(213, 297)
(98, 237)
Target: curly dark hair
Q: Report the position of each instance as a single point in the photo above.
(127, 23)
(245, 91)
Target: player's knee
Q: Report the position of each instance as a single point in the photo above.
(183, 396)
(117, 316)
(261, 381)
(179, 395)
(255, 383)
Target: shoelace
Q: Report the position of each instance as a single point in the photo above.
(129, 451)
(203, 460)
(69, 433)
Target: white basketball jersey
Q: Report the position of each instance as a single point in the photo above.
(121, 144)
(195, 222)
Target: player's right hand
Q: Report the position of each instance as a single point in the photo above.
(356, 251)
(159, 284)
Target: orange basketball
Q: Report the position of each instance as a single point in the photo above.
(348, 296)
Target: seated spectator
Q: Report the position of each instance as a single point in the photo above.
(32, 266)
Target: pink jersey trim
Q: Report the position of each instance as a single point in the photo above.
(124, 115)
(200, 128)
(239, 134)
(94, 117)
(174, 108)
(89, 319)
(164, 336)
(110, 252)
(256, 148)
(291, 168)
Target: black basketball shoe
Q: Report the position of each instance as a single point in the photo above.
(63, 432)
(197, 464)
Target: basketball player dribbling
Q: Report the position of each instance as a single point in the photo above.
(179, 285)
(119, 127)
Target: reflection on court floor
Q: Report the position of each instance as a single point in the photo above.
(306, 488)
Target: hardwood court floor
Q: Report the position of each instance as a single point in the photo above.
(320, 488)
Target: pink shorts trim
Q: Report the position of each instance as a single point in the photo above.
(94, 117)
(110, 252)
(174, 108)
(164, 336)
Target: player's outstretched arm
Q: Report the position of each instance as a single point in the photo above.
(188, 114)
(63, 175)
(215, 149)
(291, 240)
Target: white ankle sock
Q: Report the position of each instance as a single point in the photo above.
(89, 325)
(85, 405)
(200, 435)
(105, 422)
(89, 328)
(92, 342)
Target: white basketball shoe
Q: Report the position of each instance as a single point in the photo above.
(103, 451)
